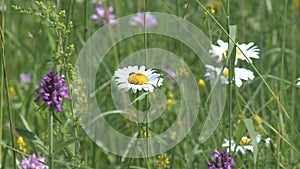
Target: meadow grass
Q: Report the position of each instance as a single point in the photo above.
(33, 42)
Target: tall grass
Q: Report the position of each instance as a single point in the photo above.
(273, 95)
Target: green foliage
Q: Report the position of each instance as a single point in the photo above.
(44, 35)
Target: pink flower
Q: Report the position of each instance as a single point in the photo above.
(138, 19)
(103, 15)
(25, 78)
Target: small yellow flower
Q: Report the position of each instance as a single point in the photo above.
(210, 9)
(171, 102)
(173, 135)
(21, 143)
(162, 161)
(12, 92)
(170, 95)
(258, 123)
(257, 119)
(146, 133)
(201, 83)
(241, 117)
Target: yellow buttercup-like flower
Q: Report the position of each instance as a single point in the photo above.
(201, 83)
(162, 161)
(21, 143)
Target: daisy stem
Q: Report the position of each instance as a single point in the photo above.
(1, 85)
(50, 137)
(146, 4)
(4, 78)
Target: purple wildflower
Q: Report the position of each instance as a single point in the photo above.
(171, 75)
(33, 162)
(138, 19)
(52, 90)
(220, 160)
(103, 15)
(25, 78)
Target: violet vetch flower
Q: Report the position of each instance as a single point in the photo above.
(171, 75)
(52, 89)
(103, 15)
(220, 160)
(25, 78)
(33, 162)
(138, 19)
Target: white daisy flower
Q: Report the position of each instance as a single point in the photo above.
(245, 144)
(221, 51)
(228, 144)
(242, 74)
(135, 78)
(268, 141)
(214, 72)
(298, 83)
(239, 148)
(239, 73)
(250, 50)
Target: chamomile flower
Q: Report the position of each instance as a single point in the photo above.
(221, 51)
(242, 74)
(135, 78)
(214, 72)
(244, 145)
(250, 50)
(239, 74)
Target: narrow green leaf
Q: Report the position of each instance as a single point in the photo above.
(232, 33)
(26, 134)
(66, 143)
(252, 133)
(240, 133)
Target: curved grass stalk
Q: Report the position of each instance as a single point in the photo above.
(4, 78)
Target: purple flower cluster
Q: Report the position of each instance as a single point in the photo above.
(103, 15)
(139, 18)
(33, 162)
(52, 89)
(220, 160)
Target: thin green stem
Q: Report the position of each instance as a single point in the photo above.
(1, 84)
(231, 78)
(7, 90)
(282, 75)
(50, 132)
(146, 4)
(251, 64)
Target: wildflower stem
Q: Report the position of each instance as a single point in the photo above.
(50, 132)
(231, 74)
(1, 85)
(4, 78)
(146, 4)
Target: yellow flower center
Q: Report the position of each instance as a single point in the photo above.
(138, 79)
(238, 53)
(224, 54)
(225, 72)
(245, 141)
